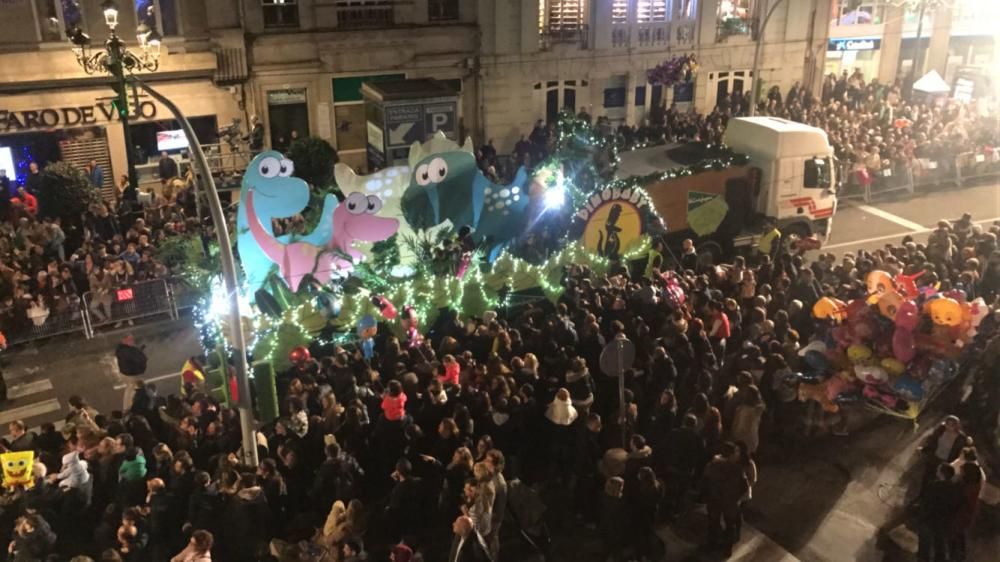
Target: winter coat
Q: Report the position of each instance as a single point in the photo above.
(246, 524)
(581, 387)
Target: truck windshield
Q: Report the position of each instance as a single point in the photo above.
(817, 173)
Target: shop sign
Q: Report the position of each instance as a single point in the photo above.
(286, 97)
(50, 118)
(855, 44)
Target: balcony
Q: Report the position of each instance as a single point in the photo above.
(564, 35)
(365, 14)
(733, 26)
(641, 35)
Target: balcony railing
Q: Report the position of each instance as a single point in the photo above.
(641, 35)
(565, 35)
(365, 15)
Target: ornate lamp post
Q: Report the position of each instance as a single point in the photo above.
(115, 59)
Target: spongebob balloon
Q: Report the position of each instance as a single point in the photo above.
(945, 311)
(17, 469)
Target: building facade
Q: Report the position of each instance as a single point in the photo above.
(889, 40)
(298, 65)
(51, 109)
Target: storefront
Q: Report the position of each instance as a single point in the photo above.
(79, 124)
(853, 53)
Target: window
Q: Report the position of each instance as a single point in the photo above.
(442, 10)
(364, 13)
(734, 17)
(648, 11)
(160, 15)
(817, 173)
(280, 13)
(562, 19)
(685, 9)
(58, 17)
(619, 12)
(854, 12)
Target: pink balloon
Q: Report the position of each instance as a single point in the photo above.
(903, 347)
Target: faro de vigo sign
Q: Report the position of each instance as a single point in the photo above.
(74, 116)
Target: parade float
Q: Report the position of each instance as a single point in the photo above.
(392, 251)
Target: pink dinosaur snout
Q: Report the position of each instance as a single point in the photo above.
(371, 228)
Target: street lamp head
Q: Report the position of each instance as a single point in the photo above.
(78, 37)
(110, 13)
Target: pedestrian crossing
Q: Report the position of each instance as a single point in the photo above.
(32, 402)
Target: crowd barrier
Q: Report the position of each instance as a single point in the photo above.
(977, 165)
(94, 310)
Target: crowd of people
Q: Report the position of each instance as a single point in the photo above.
(485, 437)
(469, 440)
(114, 245)
(878, 133)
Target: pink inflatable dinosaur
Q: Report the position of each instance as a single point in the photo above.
(354, 219)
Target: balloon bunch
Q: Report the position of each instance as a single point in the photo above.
(893, 347)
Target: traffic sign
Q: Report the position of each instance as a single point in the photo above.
(617, 356)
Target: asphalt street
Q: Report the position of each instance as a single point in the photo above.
(821, 501)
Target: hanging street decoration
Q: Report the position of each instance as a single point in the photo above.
(672, 71)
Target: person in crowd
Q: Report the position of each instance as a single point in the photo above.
(167, 167)
(467, 544)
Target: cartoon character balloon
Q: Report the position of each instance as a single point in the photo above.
(830, 308)
(278, 195)
(944, 311)
(447, 185)
(17, 469)
(889, 303)
(269, 191)
(878, 282)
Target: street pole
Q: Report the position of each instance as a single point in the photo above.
(918, 49)
(247, 422)
(621, 391)
(116, 48)
(759, 44)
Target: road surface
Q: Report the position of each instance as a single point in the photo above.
(822, 502)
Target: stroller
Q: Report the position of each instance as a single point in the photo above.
(527, 511)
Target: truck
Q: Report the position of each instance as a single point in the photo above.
(789, 178)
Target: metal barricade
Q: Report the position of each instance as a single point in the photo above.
(889, 180)
(849, 187)
(935, 172)
(38, 323)
(128, 303)
(979, 164)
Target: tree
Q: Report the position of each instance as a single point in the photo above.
(314, 159)
(65, 193)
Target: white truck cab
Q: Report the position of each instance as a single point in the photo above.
(797, 183)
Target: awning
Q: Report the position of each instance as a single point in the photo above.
(932, 83)
(231, 67)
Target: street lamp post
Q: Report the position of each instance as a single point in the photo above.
(759, 45)
(121, 64)
(237, 337)
(115, 59)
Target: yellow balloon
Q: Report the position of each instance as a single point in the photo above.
(858, 352)
(893, 366)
